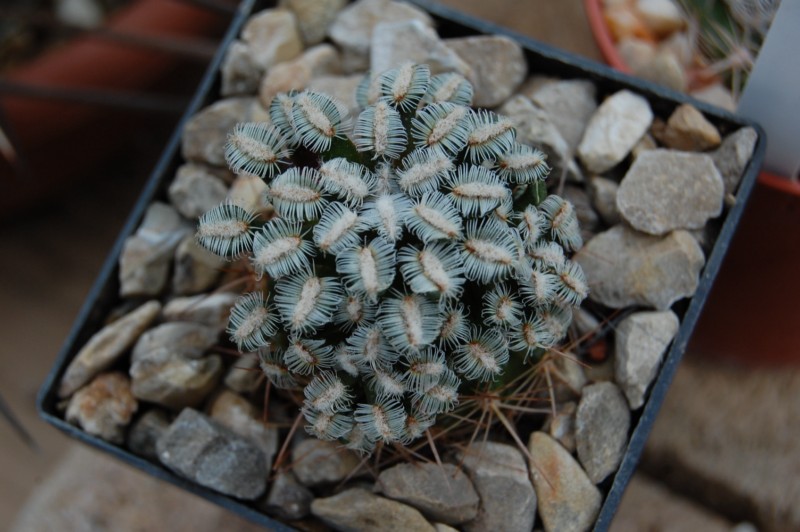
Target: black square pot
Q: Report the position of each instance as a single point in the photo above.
(542, 59)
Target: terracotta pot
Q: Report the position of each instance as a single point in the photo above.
(61, 141)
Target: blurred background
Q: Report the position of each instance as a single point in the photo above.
(90, 91)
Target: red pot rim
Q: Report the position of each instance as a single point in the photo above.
(602, 35)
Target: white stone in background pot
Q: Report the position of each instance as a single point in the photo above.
(106, 346)
(614, 129)
(640, 342)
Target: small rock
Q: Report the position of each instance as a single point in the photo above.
(661, 16)
(442, 492)
(395, 43)
(665, 69)
(354, 25)
(567, 498)
(205, 134)
(562, 425)
(569, 105)
(174, 381)
(146, 255)
(636, 53)
(604, 198)
(641, 340)
(625, 267)
(241, 378)
(342, 88)
(498, 64)
(568, 376)
(273, 37)
(534, 128)
(666, 190)
(574, 174)
(614, 130)
(318, 462)
(287, 498)
(500, 476)
(718, 95)
(320, 60)
(585, 323)
(104, 408)
(646, 143)
(732, 156)
(86, 14)
(194, 191)
(201, 450)
(601, 429)
(687, 129)
(239, 415)
(249, 192)
(314, 17)
(196, 268)
(681, 45)
(145, 431)
(358, 510)
(186, 339)
(239, 71)
(106, 346)
(212, 310)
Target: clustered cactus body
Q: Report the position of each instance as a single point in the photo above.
(410, 264)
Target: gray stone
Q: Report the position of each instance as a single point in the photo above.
(442, 492)
(534, 128)
(640, 342)
(569, 105)
(320, 60)
(214, 456)
(239, 71)
(239, 415)
(272, 37)
(625, 267)
(727, 437)
(648, 505)
(687, 129)
(358, 510)
(287, 498)
(604, 198)
(354, 25)
(145, 431)
(666, 190)
(106, 346)
(314, 17)
(602, 422)
(174, 381)
(205, 134)
(196, 269)
(574, 173)
(195, 191)
(562, 425)
(665, 69)
(498, 64)
(186, 339)
(732, 156)
(146, 255)
(104, 407)
(342, 88)
(614, 130)
(587, 216)
(243, 376)
(212, 310)
(317, 462)
(500, 477)
(567, 498)
(395, 43)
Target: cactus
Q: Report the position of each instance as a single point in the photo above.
(414, 257)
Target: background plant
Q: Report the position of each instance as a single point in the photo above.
(417, 259)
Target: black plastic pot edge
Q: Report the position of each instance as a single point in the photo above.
(102, 295)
